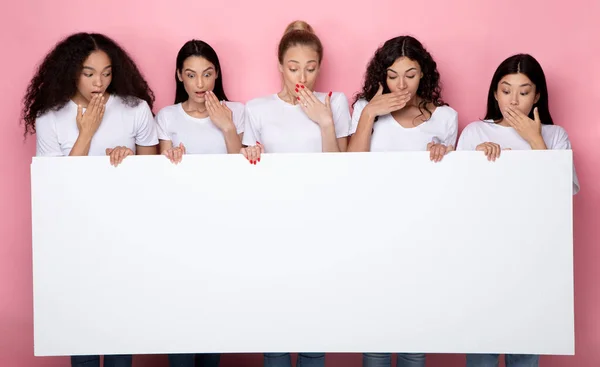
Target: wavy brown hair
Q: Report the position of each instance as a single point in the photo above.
(55, 81)
(429, 90)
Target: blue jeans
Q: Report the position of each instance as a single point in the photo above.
(194, 360)
(285, 360)
(512, 360)
(385, 360)
(94, 361)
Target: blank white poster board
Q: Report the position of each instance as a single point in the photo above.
(353, 252)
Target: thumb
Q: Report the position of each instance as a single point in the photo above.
(536, 115)
(108, 151)
(380, 90)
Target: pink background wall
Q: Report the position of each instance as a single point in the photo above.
(468, 39)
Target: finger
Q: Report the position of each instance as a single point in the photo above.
(182, 148)
(262, 148)
(304, 99)
(496, 148)
(120, 155)
(253, 155)
(536, 116)
(178, 155)
(244, 152)
(79, 112)
(379, 90)
(441, 149)
(112, 156)
(108, 151)
(310, 95)
(101, 114)
(328, 100)
(488, 151)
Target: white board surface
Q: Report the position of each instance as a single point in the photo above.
(353, 252)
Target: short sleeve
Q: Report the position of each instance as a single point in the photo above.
(359, 106)
(561, 141)
(251, 128)
(452, 132)
(146, 133)
(341, 114)
(466, 140)
(238, 111)
(47, 144)
(162, 125)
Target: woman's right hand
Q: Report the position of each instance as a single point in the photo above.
(175, 154)
(383, 104)
(491, 150)
(89, 122)
(253, 153)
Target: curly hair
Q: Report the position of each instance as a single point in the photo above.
(55, 80)
(403, 46)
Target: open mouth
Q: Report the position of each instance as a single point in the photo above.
(200, 94)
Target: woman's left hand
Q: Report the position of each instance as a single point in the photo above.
(437, 151)
(117, 154)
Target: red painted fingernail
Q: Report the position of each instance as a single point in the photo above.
(330, 94)
(257, 142)
(258, 159)
(298, 98)
(297, 86)
(254, 163)
(302, 86)
(296, 90)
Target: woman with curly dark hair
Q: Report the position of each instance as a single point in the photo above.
(400, 107)
(89, 98)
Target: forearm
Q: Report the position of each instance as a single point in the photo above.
(232, 141)
(328, 138)
(361, 140)
(81, 146)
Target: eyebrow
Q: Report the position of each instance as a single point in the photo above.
(522, 85)
(395, 72)
(91, 68)
(297, 62)
(205, 70)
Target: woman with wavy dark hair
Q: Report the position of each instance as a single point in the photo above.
(202, 120)
(89, 98)
(400, 107)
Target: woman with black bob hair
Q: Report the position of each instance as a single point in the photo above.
(202, 120)
(400, 107)
(517, 118)
(87, 97)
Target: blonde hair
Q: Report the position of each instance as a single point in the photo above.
(296, 33)
(299, 25)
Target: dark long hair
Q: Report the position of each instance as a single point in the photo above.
(429, 90)
(201, 49)
(527, 65)
(55, 80)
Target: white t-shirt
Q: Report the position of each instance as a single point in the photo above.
(389, 136)
(284, 128)
(479, 132)
(199, 135)
(122, 125)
